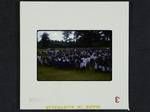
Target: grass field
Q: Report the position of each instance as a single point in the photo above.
(45, 73)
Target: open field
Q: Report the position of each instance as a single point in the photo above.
(45, 73)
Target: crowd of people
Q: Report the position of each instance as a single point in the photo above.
(97, 59)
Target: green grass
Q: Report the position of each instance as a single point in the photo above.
(45, 73)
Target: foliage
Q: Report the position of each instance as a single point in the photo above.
(81, 38)
(45, 41)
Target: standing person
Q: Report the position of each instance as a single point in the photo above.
(83, 64)
(39, 60)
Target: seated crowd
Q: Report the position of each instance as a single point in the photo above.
(98, 59)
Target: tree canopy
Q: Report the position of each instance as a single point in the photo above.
(78, 38)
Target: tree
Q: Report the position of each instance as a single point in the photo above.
(45, 41)
(67, 36)
(93, 38)
(84, 38)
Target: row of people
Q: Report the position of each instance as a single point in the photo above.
(99, 59)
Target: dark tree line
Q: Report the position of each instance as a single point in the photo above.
(93, 38)
(81, 38)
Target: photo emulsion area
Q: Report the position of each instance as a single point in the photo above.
(74, 55)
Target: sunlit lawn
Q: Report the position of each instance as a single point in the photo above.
(46, 73)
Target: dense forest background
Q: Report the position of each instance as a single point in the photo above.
(81, 38)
